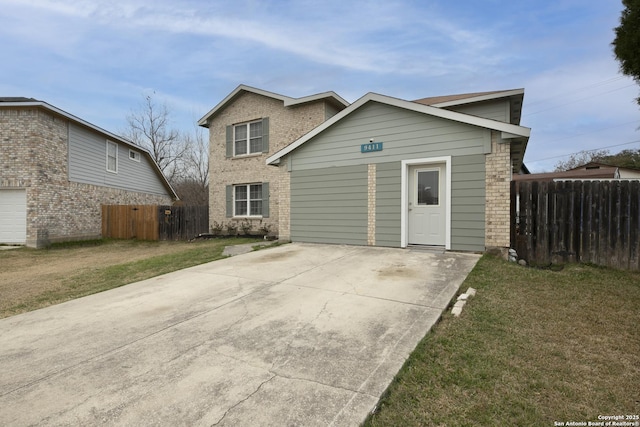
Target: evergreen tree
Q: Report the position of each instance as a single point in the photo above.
(626, 45)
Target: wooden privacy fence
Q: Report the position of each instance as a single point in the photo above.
(577, 221)
(151, 222)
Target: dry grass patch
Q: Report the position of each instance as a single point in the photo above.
(32, 279)
(532, 347)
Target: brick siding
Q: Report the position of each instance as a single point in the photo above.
(371, 204)
(498, 198)
(286, 124)
(284, 201)
(34, 157)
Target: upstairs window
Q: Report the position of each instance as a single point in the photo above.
(112, 157)
(134, 155)
(248, 138)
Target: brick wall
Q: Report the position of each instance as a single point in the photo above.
(498, 178)
(33, 156)
(371, 204)
(284, 201)
(286, 124)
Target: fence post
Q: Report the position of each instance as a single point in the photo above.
(634, 225)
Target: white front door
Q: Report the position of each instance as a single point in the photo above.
(427, 209)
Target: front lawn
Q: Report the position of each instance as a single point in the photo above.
(35, 278)
(532, 348)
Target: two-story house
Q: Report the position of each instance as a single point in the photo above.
(245, 128)
(56, 170)
(381, 171)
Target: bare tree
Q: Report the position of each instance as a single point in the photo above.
(183, 157)
(197, 156)
(149, 127)
(192, 179)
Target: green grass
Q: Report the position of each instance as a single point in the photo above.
(89, 281)
(86, 243)
(118, 275)
(532, 347)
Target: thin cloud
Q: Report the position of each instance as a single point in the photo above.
(345, 44)
(96, 57)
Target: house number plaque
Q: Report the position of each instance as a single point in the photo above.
(371, 147)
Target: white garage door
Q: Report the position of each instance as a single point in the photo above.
(13, 216)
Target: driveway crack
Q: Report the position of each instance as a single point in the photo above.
(125, 345)
(242, 401)
(312, 381)
(297, 332)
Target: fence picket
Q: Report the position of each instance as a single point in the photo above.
(150, 222)
(579, 221)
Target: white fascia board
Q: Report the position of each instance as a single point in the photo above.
(455, 116)
(289, 148)
(518, 131)
(228, 98)
(76, 119)
(316, 97)
(507, 135)
(288, 101)
(109, 135)
(488, 97)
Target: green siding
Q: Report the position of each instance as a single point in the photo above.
(329, 176)
(329, 205)
(388, 207)
(405, 134)
(494, 110)
(467, 203)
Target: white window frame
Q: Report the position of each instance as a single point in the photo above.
(415, 189)
(248, 201)
(247, 141)
(135, 157)
(109, 144)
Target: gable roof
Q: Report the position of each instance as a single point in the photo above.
(604, 173)
(15, 99)
(600, 165)
(591, 170)
(508, 130)
(467, 98)
(514, 96)
(6, 102)
(330, 96)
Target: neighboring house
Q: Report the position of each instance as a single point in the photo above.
(385, 171)
(244, 129)
(56, 170)
(589, 171)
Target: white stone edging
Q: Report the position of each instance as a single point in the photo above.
(461, 301)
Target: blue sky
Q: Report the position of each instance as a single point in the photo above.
(96, 59)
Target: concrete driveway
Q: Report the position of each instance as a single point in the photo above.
(295, 335)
